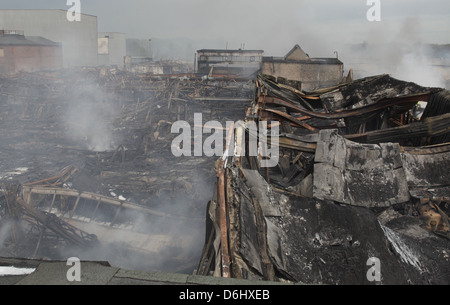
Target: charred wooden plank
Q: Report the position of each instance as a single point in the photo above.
(433, 126)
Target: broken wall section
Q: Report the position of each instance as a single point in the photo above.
(279, 236)
(368, 175)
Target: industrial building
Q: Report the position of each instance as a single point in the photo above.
(243, 63)
(112, 49)
(28, 54)
(78, 39)
(139, 57)
(139, 50)
(310, 73)
(313, 73)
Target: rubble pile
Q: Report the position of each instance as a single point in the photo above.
(92, 146)
(362, 176)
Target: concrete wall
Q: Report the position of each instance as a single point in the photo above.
(312, 75)
(116, 49)
(79, 39)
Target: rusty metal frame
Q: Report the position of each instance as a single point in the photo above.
(380, 105)
(226, 261)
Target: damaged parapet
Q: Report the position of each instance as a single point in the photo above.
(362, 176)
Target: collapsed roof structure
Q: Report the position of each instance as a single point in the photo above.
(362, 173)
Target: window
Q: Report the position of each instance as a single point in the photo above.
(2, 53)
(103, 46)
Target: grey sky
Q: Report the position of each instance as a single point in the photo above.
(273, 25)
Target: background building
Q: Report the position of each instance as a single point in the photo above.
(29, 54)
(139, 50)
(243, 63)
(112, 49)
(313, 73)
(78, 39)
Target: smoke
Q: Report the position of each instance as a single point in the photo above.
(5, 232)
(88, 116)
(135, 240)
(81, 110)
(399, 52)
(417, 66)
(140, 241)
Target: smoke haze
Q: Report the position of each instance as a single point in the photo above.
(322, 28)
(272, 25)
(88, 117)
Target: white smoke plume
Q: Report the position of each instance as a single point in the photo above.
(88, 117)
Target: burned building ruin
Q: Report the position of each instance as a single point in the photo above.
(362, 174)
(87, 169)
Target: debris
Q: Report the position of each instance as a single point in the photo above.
(42, 223)
(347, 154)
(121, 181)
(354, 161)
